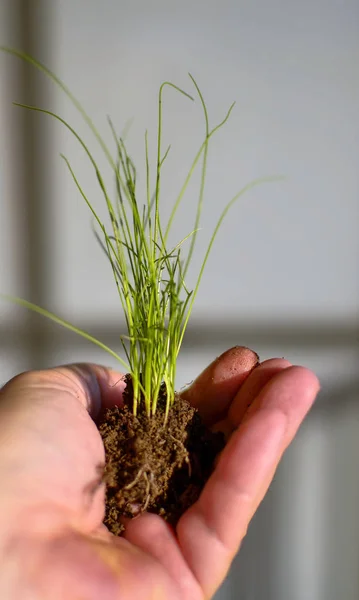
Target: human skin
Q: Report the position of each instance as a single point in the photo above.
(53, 544)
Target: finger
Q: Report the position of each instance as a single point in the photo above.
(268, 398)
(213, 391)
(66, 564)
(156, 538)
(211, 531)
(50, 448)
(256, 380)
(98, 387)
(94, 386)
(252, 387)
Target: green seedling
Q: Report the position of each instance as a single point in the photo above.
(149, 274)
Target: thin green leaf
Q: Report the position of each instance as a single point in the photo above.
(52, 317)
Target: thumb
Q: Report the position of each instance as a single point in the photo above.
(50, 449)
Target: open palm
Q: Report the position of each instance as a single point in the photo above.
(53, 544)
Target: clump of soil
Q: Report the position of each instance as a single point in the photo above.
(151, 466)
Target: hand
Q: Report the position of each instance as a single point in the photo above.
(52, 542)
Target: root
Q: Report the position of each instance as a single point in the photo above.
(146, 472)
(148, 490)
(186, 459)
(137, 478)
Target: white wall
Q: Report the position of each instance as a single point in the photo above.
(286, 249)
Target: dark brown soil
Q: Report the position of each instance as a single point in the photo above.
(155, 467)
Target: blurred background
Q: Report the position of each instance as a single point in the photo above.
(283, 275)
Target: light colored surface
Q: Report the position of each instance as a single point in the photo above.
(10, 280)
(343, 500)
(288, 248)
(304, 515)
(11, 363)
